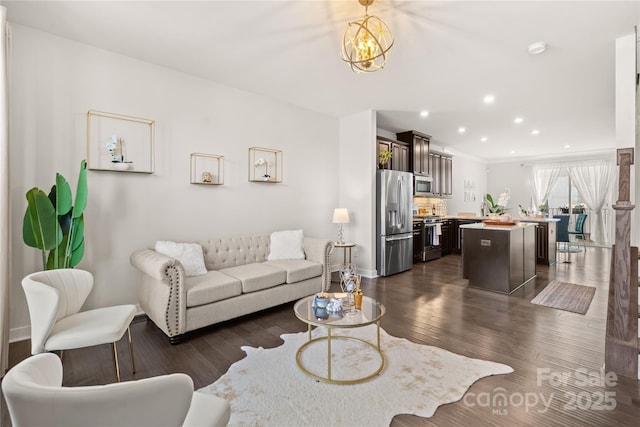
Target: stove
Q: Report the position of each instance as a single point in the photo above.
(432, 219)
(427, 237)
(427, 219)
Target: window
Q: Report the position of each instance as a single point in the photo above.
(563, 195)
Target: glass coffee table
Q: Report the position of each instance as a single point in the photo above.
(370, 312)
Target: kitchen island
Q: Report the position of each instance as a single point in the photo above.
(545, 238)
(498, 258)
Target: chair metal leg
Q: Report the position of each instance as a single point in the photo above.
(115, 359)
(133, 362)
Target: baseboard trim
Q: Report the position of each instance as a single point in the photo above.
(369, 274)
(19, 334)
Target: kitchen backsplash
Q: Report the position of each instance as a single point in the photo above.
(426, 205)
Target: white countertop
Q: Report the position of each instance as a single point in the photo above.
(522, 219)
(528, 219)
(483, 226)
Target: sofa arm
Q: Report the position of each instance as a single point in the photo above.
(162, 293)
(319, 250)
(152, 263)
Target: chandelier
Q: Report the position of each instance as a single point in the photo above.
(366, 42)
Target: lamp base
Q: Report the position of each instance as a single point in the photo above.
(340, 234)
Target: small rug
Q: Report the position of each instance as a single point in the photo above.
(268, 389)
(566, 296)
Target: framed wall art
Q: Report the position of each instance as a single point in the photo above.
(265, 165)
(207, 169)
(119, 143)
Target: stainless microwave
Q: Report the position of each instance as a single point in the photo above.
(422, 186)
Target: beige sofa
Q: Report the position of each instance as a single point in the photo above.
(239, 280)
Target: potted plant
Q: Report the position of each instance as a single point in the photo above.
(384, 158)
(262, 162)
(500, 207)
(54, 223)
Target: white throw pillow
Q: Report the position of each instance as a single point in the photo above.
(189, 254)
(286, 244)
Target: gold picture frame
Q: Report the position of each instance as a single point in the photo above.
(265, 165)
(119, 143)
(207, 169)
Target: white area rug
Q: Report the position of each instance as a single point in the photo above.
(268, 389)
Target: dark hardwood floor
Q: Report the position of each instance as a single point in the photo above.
(431, 304)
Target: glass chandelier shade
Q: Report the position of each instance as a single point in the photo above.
(366, 43)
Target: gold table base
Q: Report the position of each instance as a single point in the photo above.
(328, 379)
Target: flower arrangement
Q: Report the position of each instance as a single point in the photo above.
(115, 148)
(262, 162)
(500, 206)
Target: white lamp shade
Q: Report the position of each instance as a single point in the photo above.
(340, 216)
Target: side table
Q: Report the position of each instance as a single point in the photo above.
(346, 249)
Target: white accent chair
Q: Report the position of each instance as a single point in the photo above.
(36, 398)
(55, 297)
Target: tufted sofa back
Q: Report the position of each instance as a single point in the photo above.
(227, 252)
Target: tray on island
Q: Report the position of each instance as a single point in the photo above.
(506, 223)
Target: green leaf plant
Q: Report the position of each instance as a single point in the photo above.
(54, 223)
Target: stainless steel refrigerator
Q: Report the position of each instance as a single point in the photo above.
(394, 221)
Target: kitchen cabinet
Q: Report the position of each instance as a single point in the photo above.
(545, 241)
(446, 174)
(418, 150)
(456, 233)
(400, 154)
(418, 241)
(446, 242)
(400, 157)
(441, 166)
(498, 258)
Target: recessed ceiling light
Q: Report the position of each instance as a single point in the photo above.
(483, 139)
(489, 99)
(535, 132)
(518, 120)
(567, 146)
(512, 152)
(537, 48)
(462, 130)
(424, 113)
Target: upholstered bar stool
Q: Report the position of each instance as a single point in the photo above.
(55, 297)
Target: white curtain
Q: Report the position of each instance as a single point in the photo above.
(594, 180)
(543, 179)
(4, 195)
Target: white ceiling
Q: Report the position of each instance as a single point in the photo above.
(447, 56)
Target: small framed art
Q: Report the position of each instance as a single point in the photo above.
(119, 143)
(207, 169)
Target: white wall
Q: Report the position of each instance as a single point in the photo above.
(626, 118)
(54, 82)
(513, 175)
(473, 172)
(356, 171)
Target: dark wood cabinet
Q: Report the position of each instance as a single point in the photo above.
(383, 146)
(546, 243)
(456, 233)
(446, 176)
(446, 242)
(441, 166)
(434, 167)
(400, 157)
(418, 150)
(418, 241)
(400, 154)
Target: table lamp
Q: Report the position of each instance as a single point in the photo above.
(340, 216)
